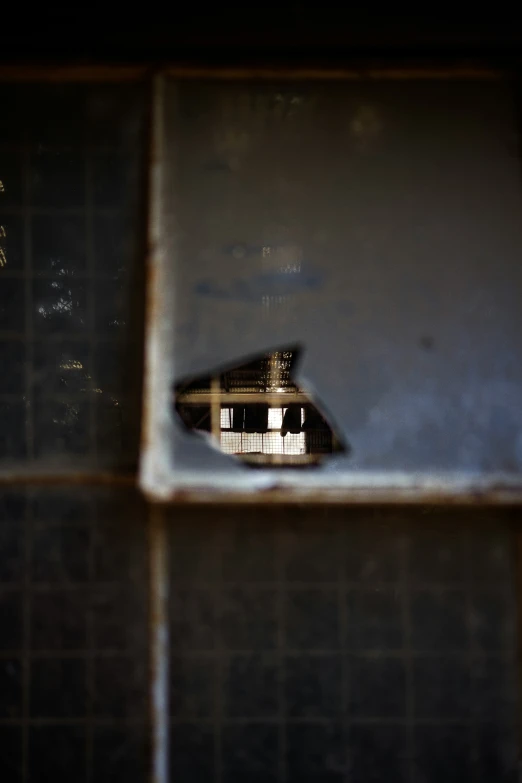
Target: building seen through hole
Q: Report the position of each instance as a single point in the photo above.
(257, 412)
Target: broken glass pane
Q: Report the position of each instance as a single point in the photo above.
(376, 224)
(257, 412)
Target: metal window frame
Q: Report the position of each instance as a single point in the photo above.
(158, 477)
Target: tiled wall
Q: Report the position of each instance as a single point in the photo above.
(73, 581)
(341, 645)
(306, 645)
(73, 636)
(71, 274)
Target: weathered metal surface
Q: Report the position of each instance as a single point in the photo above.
(284, 73)
(401, 200)
(86, 74)
(72, 476)
(382, 489)
(159, 643)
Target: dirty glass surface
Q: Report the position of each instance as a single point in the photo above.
(73, 636)
(376, 225)
(337, 645)
(71, 287)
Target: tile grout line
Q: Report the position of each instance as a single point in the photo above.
(281, 626)
(26, 619)
(219, 663)
(90, 662)
(345, 671)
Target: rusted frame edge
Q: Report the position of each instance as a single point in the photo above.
(284, 495)
(391, 496)
(74, 73)
(361, 73)
(41, 478)
(131, 73)
(159, 310)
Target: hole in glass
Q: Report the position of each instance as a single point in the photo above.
(255, 411)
